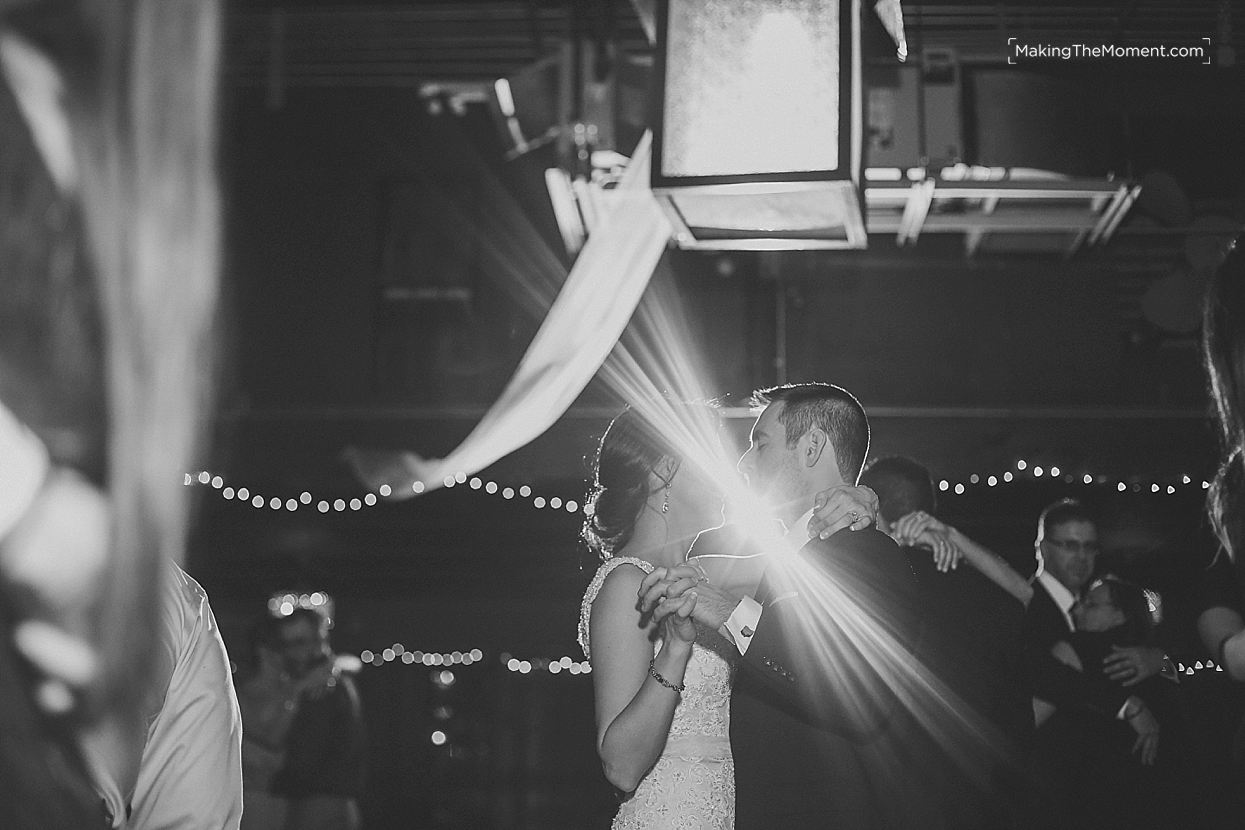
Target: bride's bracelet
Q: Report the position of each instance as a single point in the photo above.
(652, 670)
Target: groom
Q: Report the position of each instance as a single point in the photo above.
(817, 731)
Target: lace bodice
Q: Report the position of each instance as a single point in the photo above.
(692, 785)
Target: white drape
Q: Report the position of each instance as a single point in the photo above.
(585, 321)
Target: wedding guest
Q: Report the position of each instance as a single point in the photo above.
(1218, 713)
(973, 619)
(1119, 773)
(1221, 625)
(1223, 352)
(1067, 548)
(108, 253)
(305, 747)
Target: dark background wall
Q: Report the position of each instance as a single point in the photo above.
(363, 310)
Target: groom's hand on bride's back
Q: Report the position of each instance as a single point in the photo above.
(853, 507)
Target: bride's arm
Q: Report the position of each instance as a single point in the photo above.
(633, 709)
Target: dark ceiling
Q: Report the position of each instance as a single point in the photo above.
(418, 41)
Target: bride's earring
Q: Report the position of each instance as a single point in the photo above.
(665, 502)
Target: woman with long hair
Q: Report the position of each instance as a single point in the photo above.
(1221, 626)
(108, 273)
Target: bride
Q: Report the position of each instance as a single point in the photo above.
(662, 691)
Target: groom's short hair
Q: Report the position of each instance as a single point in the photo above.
(824, 405)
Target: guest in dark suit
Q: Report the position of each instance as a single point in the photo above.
(820, 713)
(973, 618)
(1067, 549)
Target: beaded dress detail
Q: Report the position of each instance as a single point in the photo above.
(692, 785)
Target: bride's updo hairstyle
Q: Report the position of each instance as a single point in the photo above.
(629, 450)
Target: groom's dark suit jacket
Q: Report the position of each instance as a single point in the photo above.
(819, 737)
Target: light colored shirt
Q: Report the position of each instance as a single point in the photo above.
(190, 775)
(742, 623)
(23, 466)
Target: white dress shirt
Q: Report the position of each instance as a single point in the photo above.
(190, 776)
(742, 623)
(1064, 599)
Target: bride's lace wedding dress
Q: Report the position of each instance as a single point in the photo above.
(692, 785)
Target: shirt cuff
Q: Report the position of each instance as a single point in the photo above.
(742, 623)
(23, 468)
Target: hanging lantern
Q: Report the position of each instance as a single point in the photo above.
(757, 139)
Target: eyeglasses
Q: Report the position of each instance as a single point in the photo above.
(1076, 546)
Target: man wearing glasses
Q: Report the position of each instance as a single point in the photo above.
(1067, 549)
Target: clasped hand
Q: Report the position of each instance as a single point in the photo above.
(682, 592)
(680, 596)
(919, 529)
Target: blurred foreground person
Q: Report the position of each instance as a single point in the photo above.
(108, 285)
(1221, 626)
(1221, 619)
(304, 747)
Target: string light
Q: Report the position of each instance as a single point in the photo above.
(283, 603)
(525, 491)
(1055, 473)
(445, 677)
(441, 662)
(372, 499)
(1199, 666)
